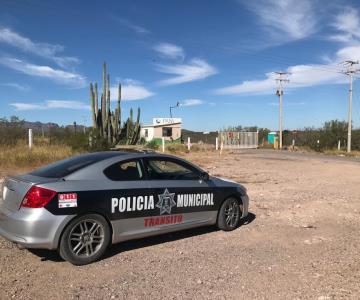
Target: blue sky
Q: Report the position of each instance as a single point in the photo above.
(216, 58)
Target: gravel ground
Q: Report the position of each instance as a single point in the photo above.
(301, 241)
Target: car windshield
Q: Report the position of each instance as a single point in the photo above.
(67, 166)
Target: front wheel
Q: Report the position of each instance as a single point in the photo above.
(229, 215)
(85, 239)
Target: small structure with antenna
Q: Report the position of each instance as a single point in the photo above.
(175, 106)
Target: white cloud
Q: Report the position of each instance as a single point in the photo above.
(59, 76)
(69, 104)
(51, 104)
(348, 53)
(300, 75)
(191, 102)
(250, 87)
(312, 75)
(130, 90)
(347, 24)
(287, 103)
(49, 51)
(196, 69)
(26, 106)
(136, 28)
(286, 19)
(66, 62)
(19, 87)
(171, 51)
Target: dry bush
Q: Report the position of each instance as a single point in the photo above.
(182, 148)
(176, 148)
(202, 147)
(20, 156)
(353, 153)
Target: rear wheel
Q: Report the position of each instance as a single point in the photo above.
(229, 215)
(85, 239)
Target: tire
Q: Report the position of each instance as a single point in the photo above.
(85, 239)
(229, 215)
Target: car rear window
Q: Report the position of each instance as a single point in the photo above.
(67, 166)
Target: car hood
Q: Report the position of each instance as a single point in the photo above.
(219, 181)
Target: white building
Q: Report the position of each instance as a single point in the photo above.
(169, 128)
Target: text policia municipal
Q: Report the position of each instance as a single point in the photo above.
(140, 203)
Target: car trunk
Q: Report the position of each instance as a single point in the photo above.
(15, 188)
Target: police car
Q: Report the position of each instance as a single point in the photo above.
(82, 204)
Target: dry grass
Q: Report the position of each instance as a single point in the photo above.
(20, 157)
(182, 148)
(353, 153)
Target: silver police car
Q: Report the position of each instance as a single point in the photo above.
(82, 204)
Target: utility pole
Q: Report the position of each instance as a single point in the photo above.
(350, 72)
(281, 79)
(171, 107)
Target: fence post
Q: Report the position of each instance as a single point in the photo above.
(217, 144)
(163, 144)
(188, 143)
(30, 138)
(339, 145)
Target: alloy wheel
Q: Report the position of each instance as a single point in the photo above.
(86, 238)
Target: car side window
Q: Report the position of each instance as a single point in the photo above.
(169, 170)
(124, 171)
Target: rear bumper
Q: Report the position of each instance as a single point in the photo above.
(33, 227)
(245, 203)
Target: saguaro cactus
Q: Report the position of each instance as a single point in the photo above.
(108, 122)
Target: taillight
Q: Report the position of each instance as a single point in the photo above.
(37, 197)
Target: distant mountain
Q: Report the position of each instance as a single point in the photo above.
(45, 127)
(195, 136)
(39, 127)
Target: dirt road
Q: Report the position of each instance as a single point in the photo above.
(301, 242)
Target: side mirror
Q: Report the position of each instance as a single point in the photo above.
(204, 176)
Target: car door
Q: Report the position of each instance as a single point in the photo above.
(131, 199)
(183, 198)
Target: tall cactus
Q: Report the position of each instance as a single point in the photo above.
(93, 109)
(118, 107)
(96, 108)
(107, 122)
(136, 131)
(103, 103)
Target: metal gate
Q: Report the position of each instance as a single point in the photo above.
(238, 139)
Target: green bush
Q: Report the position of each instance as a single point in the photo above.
(152, 145)
(11, 131)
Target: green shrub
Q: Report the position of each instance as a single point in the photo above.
(152, 145)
